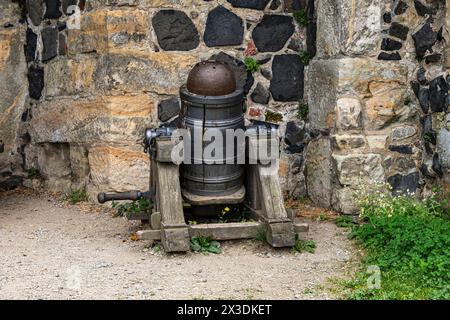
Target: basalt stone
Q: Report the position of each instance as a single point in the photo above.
(62, 44)
(421, 9)
(433, 58)
(244, 79)
(294, 5)
(24, 116)
(294, 134)
(223, 28)
(390, 45)
(249, 4)
(35, 10)
(401, 8)
(311, 36)
(426, 171)
(287, 78)
(50, 43)
(427, 124)
(398, 30)
(389, 56)
(295, 148)
(266, 73)
(175, 31)
(66, 5)
(440, 37)
(416, 87)
(404, 184)
(421, 76)
(273, 32)
(12, 182)
(260, 94)
(424, 99)
(387, 17)
(264, 60)
(30, 46)
(275, 5)
(438, 93)
(424, 39)
(437, 166)
(168, 109)
(52, 9)
(401, 149)
(36, 82)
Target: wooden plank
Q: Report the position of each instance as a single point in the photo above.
(168, 191)
(149, 235)
(226, 231)
(164, 147)
(270, 192)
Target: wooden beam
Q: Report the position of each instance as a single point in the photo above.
(149, 235)
(226, 231)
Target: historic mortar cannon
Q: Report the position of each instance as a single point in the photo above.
(212, 105)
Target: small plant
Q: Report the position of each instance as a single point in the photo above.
(304, 56)
(252, 65)
(304, 246)
(156, 247)
(428, 137)
(261, 235)
(76, 196)
(408, 241)
(273, 117)
(323, 217)
(132, 208)
(344, 222)
(301, 17)
(303, 110)
(33, 173)
(205, 245)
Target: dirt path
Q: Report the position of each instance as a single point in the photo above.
(49, 250)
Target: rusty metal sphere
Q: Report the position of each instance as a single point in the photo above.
(211, 78)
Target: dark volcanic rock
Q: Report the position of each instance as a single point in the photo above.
(52, 9)
(244, 79)
(424, 39)
(311, 30)
(438, 92)
(287, 78)
(398, 30)
(30, 46)
(387, 17)
(404, 184)
(273, 32)
(260, 94)
(175, 31)
(421, 9)
(437, 167)
(401, 8)
(294, 134)
(223, 28)
(433, 58)
(35, 10)
(36, 82)
(168, 109)
(250, 4)
(295, 148)
(424, 99)
(390, 45)
(421, 76)
(416, 87)
(11, 183)
(50, 42)
(401, 149)
(389, 56)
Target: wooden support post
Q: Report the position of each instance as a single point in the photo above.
(266, 184)
(174, 231)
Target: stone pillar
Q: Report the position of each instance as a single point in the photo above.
(361, 89)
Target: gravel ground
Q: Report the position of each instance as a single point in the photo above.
(51, 250)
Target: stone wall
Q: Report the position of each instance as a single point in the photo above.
(382, 109)
(359, 88)
(13, 93)
(101, 71)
